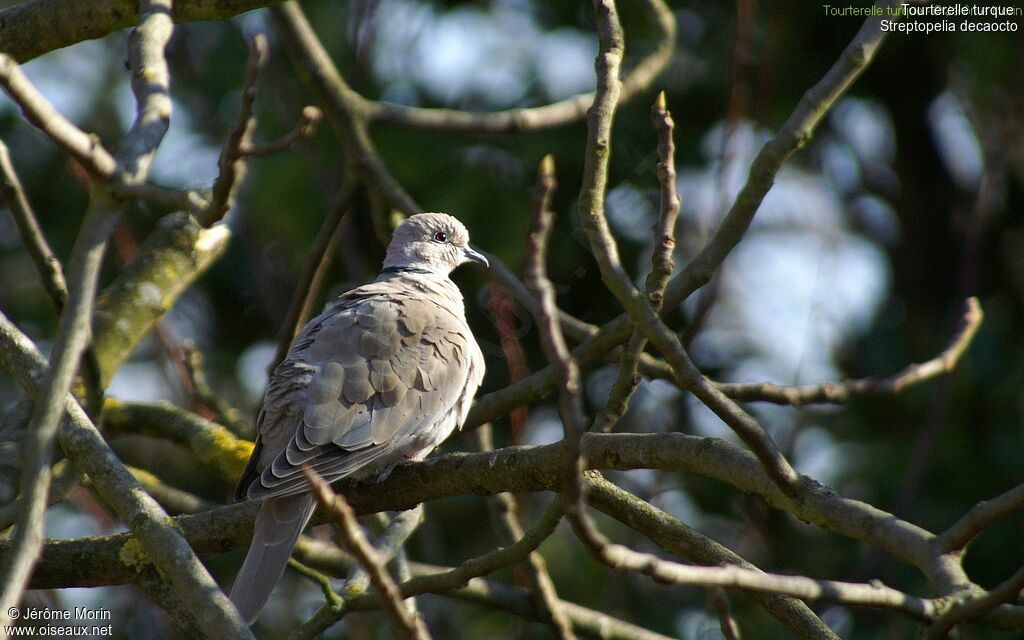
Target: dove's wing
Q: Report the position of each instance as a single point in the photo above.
(385, 373)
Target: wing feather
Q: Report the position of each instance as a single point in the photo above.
(384, 373)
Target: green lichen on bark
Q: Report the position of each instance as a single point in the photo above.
(213, 444)
(177, 252)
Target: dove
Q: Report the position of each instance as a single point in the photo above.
(381, 377)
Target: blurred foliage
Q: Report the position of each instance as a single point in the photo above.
(927, 454)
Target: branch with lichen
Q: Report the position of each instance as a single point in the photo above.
(150, 85)
(213, 445)
(525, 469)
(170, 260)
(158, 541)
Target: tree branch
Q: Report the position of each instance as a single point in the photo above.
(796, 132)
(355, 541)
(232, 157)
(982, 516)
(662, 265)
(170, 260)
(146, 56)
(841, 392)
(504, 509)
(50, 272)
(32, 28)
(157, 538)
(548, 116)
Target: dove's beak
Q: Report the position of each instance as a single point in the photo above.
(470, 254)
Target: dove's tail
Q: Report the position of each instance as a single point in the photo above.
(274, 535)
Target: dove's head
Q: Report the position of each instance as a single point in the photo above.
(432, 242)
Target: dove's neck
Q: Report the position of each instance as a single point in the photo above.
(437, 286)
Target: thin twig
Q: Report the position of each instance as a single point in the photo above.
(206, 396)
(354, 539)
(840, 392)
(83, 147)
(504, 508)
(309, 119)
(727, 622)
(501, 311)
(335, 603)
(873, 594)
(662, 264)
(556, 114)
(553, 344)
(388, 544)
(50, 272)
(982, 516)
(232, 156)
(344, 110)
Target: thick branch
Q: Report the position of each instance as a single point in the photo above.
(32, 28)
(177, 253)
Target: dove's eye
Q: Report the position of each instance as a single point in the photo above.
(440, 236)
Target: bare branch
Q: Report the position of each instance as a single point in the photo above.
(840, 392)
(335, 604)
(309, 119)
(47, 264)
(798, 129)
(343, 108)
(204, 394)
(355, 541)
(160, 541)
(873, 594)
(677, 538)
(976, 604)
(387, 546)
(592, 216)
(662, 264)
(548, 116)
(982, 516)
(176, 253)
(151, 84)
(504, 508)
(553, 344)
(232, 156)
(84, 148)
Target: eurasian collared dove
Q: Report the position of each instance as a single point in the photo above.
(382, 376)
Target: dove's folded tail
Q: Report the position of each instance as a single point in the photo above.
(274, 535)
